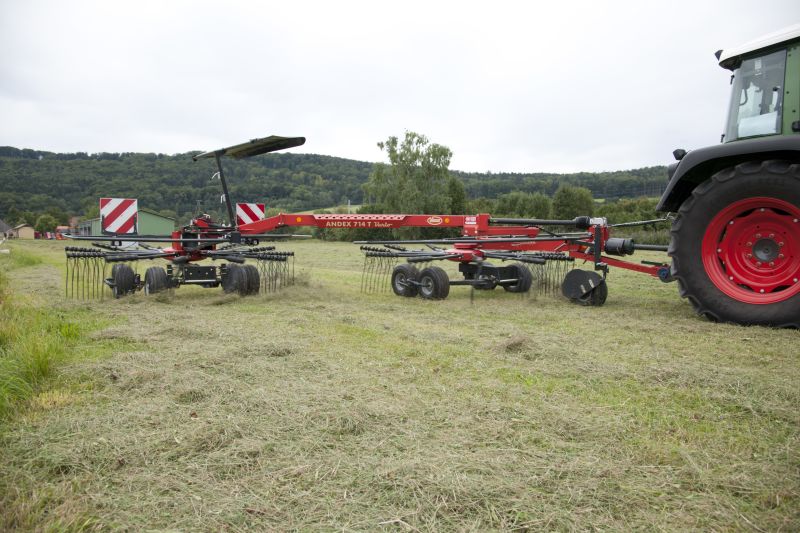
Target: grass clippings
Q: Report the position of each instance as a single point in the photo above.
(320, 407)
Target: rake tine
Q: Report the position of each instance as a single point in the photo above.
(66, 280)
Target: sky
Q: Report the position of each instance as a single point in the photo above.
(513, 86)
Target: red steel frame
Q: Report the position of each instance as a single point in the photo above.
(471, 226)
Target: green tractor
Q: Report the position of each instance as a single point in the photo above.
(735, 242)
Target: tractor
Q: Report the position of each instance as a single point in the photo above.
(735, 241)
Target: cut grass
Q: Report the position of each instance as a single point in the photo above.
(323, 408)
(35, 339)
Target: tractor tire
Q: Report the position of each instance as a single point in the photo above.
(124, 280)
(524, 279)
(401, 275)
(253, 279)
(434, 283)
(155, 280)
(735, 245)
(235, 280)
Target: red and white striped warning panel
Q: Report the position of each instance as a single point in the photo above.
(247, 213)
(118, 215)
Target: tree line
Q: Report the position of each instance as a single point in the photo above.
(417, 177)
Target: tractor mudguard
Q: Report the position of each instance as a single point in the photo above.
(699, 165)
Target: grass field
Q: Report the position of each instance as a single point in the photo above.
(321, 408)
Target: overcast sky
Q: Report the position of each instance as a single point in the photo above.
(508, 86)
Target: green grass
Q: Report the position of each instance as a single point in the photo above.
(320, 407)
(35, 338)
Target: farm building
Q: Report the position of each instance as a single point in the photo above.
(23, 231)
(4, 228)
(148, 223)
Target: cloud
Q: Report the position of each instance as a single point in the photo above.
(516, 86)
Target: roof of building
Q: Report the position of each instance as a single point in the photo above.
(23, 226)
(3, 226)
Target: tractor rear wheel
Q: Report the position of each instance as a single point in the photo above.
(735, 245)
(155, 280)
(434, 283)
(402, 276)
(124, 280)
(523, 276)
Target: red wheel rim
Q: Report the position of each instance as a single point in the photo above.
(751, 250)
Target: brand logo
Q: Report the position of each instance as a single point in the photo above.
(434, 221)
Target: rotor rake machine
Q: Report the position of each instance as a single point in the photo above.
(516, 254)
(248, 267)
(88, 270)
(519, 255)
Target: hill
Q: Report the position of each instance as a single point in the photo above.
(71, 183)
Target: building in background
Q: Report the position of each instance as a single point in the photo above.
(149, 223)
(23, 231)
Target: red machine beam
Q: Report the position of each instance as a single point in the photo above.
(471, 225)
(644, 269)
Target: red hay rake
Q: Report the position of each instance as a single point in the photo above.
(247, 268)
(520, 255)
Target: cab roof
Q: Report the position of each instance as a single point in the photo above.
(731, 57)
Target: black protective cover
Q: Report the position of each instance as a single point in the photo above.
(273, 143)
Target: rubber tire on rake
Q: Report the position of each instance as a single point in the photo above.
(434, 283)
(124, 280)
(155, 280)
(401, 275)
(235, 280)
(524, 279)
(738, 235)
(253, 279)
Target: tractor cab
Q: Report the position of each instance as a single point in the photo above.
(766, 86)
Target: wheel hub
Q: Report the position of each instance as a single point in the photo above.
(766, 250)
(751, 250)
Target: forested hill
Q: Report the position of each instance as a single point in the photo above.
(37, 181)
(648, 181)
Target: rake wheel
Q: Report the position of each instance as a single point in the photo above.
(253, 280)
(524, 279)
(155, 280)
(124, 280)
(235, 280)
(434, 283)
(401, 276)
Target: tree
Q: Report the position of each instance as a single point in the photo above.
(541, 206)
(45, 223)
(570, 202)
(417, 180)
(458, 196)
(522, 204)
